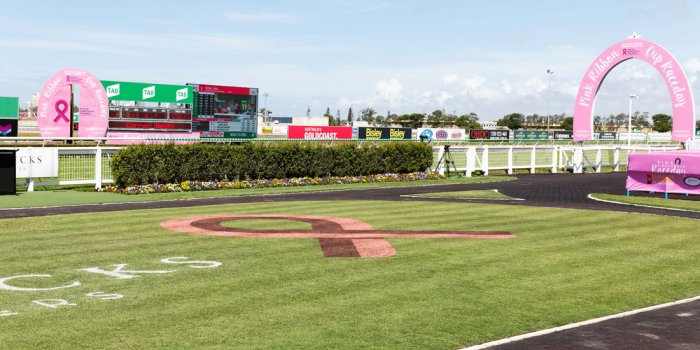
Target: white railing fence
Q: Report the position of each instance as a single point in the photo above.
(468, 159)
(80, 166)
(93, 165)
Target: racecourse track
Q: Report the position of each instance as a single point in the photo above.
(675, 327)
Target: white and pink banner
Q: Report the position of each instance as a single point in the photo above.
(670, 69)
(667, 172)
(54, 110)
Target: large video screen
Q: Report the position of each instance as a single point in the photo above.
(225, 111)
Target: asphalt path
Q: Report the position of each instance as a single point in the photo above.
(543, 190)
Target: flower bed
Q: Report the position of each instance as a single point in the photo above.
(187, 186)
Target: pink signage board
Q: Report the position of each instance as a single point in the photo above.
(667, 172)
(53, 115)
(670, 69)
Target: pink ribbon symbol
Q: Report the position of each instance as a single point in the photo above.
(61, 107)
(338, 237)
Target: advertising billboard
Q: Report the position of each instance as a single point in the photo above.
(440, 134)
(303, 132)
(605, 135)
(369, 133)
(9, 107)
(530, 135)
(224, 111)
(147, 92)
(9, 111)
(563, 135)
(489, 134)
(8, 127)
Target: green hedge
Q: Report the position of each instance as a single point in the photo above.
(144, 164)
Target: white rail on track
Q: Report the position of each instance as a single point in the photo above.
(469, 159)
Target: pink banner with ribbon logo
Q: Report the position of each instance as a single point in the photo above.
(667, 65)
(54, 112)
(669, 172)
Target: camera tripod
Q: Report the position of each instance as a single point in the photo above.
(447, 160)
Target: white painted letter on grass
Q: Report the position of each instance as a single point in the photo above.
(53, 303)
(5, 286)
(121, 274)
(207, 264)
(104, 296)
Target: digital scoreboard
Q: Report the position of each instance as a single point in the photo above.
(224, 111)
(149, 119)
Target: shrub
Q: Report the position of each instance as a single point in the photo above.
(144, 164)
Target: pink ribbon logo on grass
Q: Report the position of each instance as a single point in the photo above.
(338, 237)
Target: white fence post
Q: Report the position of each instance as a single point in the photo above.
(485, 160)
(533, 160)
(616, 159)
(98, 167)
(598, 160)
(555, 160)
(510, 160)
(471, 160)
(578, 160)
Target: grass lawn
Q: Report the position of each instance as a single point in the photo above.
(563, 266)
(69, 197)
(473, 194)
(689, 204)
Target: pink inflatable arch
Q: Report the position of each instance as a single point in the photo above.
(657, 57)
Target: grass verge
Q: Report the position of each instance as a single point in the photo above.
(70, 197)
(563, 266)
(688, 204)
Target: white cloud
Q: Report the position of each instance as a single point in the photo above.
(260, 17)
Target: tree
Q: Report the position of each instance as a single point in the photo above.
(414, 120)
(568, 123)
(367, 114)
(662, 122)
(697, 125)
(468, 121)
(512, 121)
(350, 116)
(615, 121)
(640, 121)
(435, 119)
(598, 123)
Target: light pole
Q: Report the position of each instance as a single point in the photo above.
(549, 76)
(265, 114)
(629, 121)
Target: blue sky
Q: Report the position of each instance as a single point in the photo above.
(487, 57)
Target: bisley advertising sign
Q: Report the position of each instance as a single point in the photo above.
(147, 92)
(368, 133)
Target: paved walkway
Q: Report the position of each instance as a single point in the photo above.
(553, 190)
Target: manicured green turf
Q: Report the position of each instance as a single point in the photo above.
(651, 201)
(53, 198)
(563, 266)
(473, 194)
